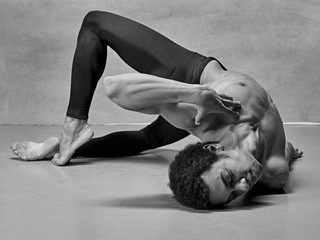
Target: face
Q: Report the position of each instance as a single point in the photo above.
(232, 175)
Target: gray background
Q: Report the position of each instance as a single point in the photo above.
(276, 42)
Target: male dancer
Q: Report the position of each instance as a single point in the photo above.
(197, 102)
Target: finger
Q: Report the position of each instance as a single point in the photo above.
(225, 96)
(230, 106)
(197, 120)
(199, 116)
(231, 103)
(229, 111)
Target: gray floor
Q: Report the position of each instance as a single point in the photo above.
(128, 198)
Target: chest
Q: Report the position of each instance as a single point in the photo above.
(245, 136)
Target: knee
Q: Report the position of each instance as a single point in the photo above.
(89, 28)
(92, 17)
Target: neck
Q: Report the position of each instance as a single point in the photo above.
(211, 72)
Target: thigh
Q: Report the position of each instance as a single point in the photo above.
(141, 47)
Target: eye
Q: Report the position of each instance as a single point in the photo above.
(230, 177)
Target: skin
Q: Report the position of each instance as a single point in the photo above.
(208, 111)
(233, 175)
(226, 107)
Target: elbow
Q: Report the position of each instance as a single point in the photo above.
(117, 91)
(111, 88)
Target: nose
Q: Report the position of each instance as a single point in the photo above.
(242, 186)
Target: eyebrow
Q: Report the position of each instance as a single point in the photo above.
(226, 185)
(224, 180)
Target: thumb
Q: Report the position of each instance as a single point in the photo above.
(200, 115)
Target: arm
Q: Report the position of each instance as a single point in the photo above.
(140, 91)
(275, 164)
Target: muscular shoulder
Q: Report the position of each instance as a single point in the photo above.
(254, 99)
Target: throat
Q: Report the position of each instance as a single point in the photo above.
(235, 136)
(223, 135)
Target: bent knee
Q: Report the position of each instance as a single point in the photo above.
(92, 16)
(95, 17)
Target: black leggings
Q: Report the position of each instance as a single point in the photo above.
(146, 51)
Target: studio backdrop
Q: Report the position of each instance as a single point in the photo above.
(275, 42)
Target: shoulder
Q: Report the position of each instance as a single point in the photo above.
(243, 88)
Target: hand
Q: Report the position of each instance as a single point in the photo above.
(295, 153)
(292, 154)
(211, 102)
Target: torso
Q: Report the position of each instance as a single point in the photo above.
(258, 130)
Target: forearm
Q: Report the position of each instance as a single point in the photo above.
(137, 91)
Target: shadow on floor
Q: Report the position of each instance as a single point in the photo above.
(166, 201)
(156, 156)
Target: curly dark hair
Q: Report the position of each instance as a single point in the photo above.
(185, 175)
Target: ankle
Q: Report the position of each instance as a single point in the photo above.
(73, 122)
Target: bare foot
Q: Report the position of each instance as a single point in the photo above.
(30, 151)
(75, 133)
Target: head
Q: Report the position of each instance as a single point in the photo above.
(205, 174)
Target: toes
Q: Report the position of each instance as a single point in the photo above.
(56, 160)
(20, 147)
(13, 146)
(16, 152)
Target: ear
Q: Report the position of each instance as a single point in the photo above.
(213, 147)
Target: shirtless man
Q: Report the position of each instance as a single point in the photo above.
(248, 147)
(200, 101)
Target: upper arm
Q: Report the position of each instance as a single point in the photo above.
(275, 164)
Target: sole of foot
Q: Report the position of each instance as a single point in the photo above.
(72, 137)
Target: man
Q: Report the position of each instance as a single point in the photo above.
(239, 141)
